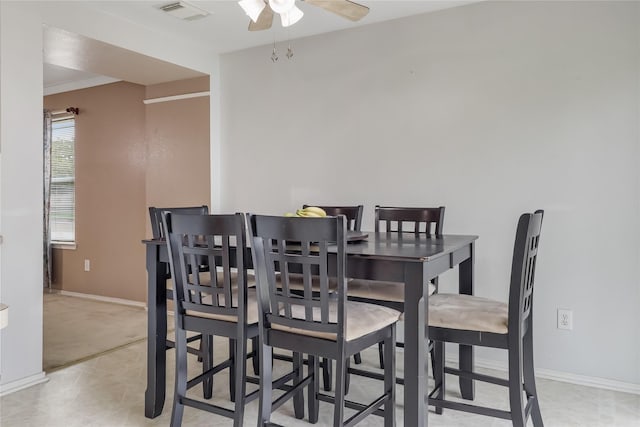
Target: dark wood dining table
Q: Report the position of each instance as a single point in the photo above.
(408, 258)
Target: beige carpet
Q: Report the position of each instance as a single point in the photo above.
(77, 329)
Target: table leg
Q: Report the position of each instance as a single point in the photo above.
(465, 283)
(415, 380)
(157, 334)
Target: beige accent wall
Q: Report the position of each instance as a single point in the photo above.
(180, 87)
(129, 156)
(178, 171)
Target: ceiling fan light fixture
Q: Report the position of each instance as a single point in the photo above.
(282, 6)
(290, 14)
(253, 8)
(291, 17)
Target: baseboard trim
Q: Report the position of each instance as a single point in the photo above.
(603, 383)
(565, 377)
(22, 383)
(103, 298)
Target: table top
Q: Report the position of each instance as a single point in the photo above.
(390, 245)
(408, 245)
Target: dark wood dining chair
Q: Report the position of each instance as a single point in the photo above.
(424, 221)
(216, 302)
(353, 215)
(157, 231)
(470, 320)
(155, 213)
(319, 324)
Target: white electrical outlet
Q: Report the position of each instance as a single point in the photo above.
(565, 319)
(87, 265)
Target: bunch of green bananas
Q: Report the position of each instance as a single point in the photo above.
(309, 212)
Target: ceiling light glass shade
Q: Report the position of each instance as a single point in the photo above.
(291, 17)
(282, 6)
(253, 8)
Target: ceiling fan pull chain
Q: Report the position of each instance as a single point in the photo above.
(274, 54)
(289, 48)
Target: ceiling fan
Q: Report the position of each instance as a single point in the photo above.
(261, 11)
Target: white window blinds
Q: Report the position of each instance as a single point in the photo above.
(63, 181)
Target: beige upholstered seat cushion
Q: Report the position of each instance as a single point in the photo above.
(377, 290)
(362, 319)
(252, 308)
(467, 312)
(204, 279)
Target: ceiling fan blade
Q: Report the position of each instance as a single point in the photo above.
(344, 8)
(264, 20)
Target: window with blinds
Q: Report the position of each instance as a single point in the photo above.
(62, 214)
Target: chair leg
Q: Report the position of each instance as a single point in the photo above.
(438, 371)
(232, 369)
(181, 377)
(327, 374)
(298, 398)
(314, 389)
(240, 383)
(390, 379)
(515, 385)
(201, 349)
(266, 385)
(530, 379)
(381, 354)
(338, 407)
(357, 358)
(254, 359)
(347, 377)
(430, 350)
(206, 353)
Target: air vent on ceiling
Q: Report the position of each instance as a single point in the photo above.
(184, 10)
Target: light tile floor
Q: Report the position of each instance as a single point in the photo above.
(109, 391)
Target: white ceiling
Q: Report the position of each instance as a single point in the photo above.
(57, 79)
(66, 50)
(224, 30)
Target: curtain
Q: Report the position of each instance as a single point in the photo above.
(46, 238)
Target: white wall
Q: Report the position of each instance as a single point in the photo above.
(490, 109)
(21, 168)
(21, 202)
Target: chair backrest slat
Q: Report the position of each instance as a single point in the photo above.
(525, 252)
(201, 254)
(284, 246)
(419, 220)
